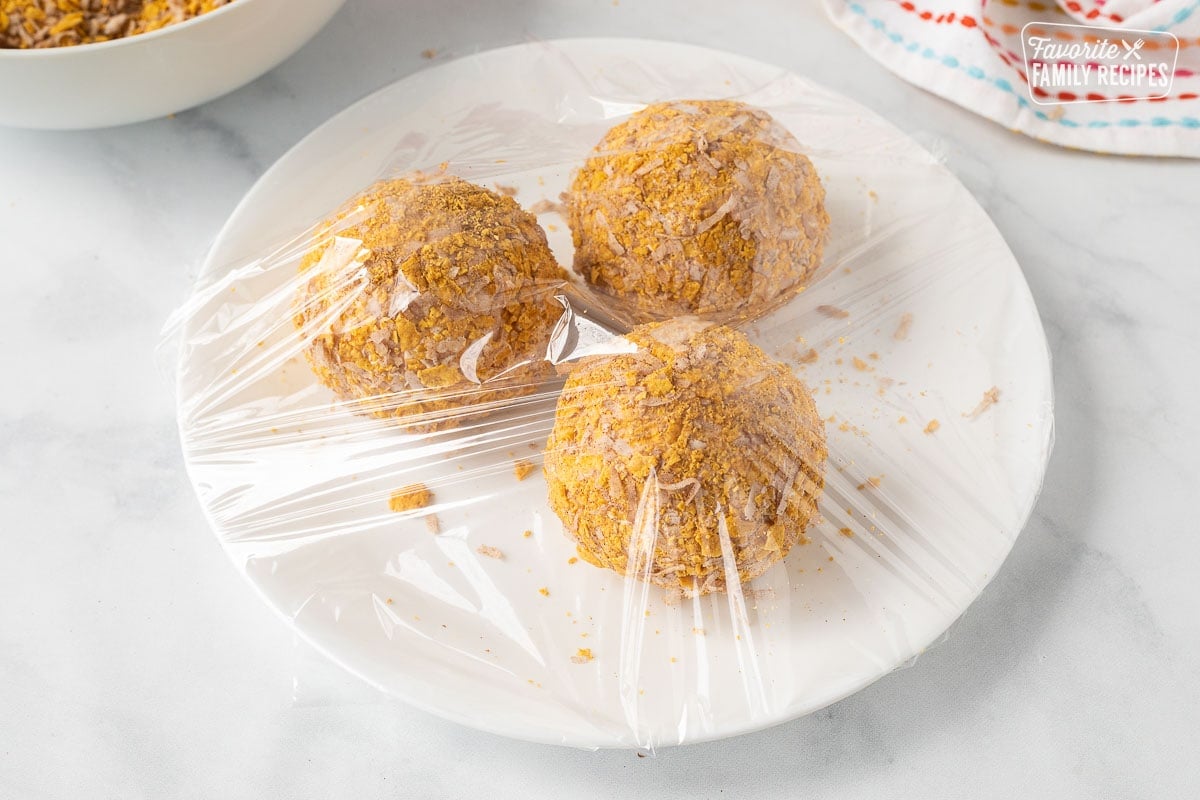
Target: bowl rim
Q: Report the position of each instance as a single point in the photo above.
(124, 41)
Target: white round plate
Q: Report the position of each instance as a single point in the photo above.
(921, 311)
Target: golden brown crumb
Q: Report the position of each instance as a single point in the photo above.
(990, 398)
(902, 329)
(860, 365)
(522, 468)
(490, 552)
(582, 656)
(429, 53)
(833, 312)
(527, 534)
(572, 560)
(505, 189)
(845, 532)
(932, 426)
(809, 357)
(413, 496)
(544, 592)
(388, 601)
(902, 420)
(545, 206)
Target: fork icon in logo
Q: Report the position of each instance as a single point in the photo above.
(1132, 50)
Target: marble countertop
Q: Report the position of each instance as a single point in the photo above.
(135, 662)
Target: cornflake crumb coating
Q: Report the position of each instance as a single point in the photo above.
(62, 23)
(695, 440)
(697, 207)
(448, 303)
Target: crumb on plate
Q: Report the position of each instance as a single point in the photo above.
(523, 468)
(990, 398)
(415, 495)
(490, 552)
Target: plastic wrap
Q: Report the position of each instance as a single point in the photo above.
(368, 385)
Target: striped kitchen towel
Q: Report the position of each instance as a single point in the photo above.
(1064, 72)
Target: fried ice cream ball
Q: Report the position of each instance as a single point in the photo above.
(697, 207)
(430, 300)
(695, 462)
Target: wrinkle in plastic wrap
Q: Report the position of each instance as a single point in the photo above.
(916, 337)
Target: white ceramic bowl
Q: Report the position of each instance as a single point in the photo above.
(157, 73)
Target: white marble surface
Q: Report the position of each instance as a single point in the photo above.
(135, 662)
